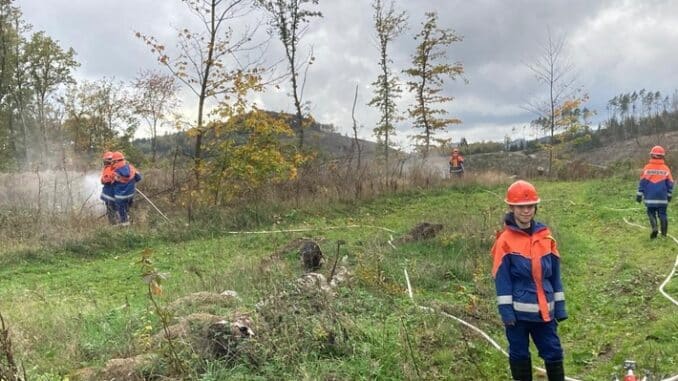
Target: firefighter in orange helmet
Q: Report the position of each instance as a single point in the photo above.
(656, 188)
(125, 179)
(107, 191)
(530, 297)
(456, 163)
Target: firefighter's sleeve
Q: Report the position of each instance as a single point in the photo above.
(641, 188)
(559, 311)
(504, 287)
(669, 185)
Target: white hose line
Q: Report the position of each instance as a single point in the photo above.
(673, 271)
(665, 282)
(621, 209)
(469, 325)
(312, 229)
(152, 204)
(409, 286)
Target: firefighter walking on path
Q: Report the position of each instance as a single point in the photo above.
(125, 179)
(530, 297)
(456, 163)
(655, 188)
(107, 192)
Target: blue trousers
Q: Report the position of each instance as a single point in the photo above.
(122, 205)
(544, 335)
(111, 211)
(653, 212)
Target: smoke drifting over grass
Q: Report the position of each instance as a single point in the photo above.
(52, 192)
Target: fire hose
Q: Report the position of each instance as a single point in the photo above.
(152, 204)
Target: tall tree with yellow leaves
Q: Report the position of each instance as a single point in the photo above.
(203, 60)
(429, 69)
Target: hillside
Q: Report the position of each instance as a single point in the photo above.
(85, 303)
(570, 163)
(632, 149)
(319, 137)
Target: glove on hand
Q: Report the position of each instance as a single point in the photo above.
(639, 198)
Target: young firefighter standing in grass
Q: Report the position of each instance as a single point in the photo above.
(526, 271)
(656, 186)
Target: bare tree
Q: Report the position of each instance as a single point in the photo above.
(97, 114)
(552, 69)
(288, 20)
(356, 142)
(155, 98)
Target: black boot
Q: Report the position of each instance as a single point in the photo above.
(664, 226)
(555, 371)
(653, 225)
(521, 370)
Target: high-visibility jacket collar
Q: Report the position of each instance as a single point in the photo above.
(510, 222)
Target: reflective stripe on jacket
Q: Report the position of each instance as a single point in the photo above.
(656, 183)
(126, 177)
(526, 271)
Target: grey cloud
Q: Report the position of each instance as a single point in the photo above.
(615, 46)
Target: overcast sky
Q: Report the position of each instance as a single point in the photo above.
(614, 46)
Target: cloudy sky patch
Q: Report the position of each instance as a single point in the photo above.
(614, 46)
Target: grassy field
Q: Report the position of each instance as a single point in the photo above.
(80, 304)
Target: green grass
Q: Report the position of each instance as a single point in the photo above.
(83, 303)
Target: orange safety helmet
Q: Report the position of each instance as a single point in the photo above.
(108, 157)
(118, 156)
(657, 151)
(521, 193)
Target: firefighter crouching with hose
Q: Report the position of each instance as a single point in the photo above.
(526, 270)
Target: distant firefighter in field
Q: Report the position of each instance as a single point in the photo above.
(655, 188)
(456, 163)
(107, 192)
(125, 178)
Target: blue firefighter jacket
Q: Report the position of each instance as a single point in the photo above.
(526, 271)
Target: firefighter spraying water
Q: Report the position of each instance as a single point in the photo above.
(119, 179)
